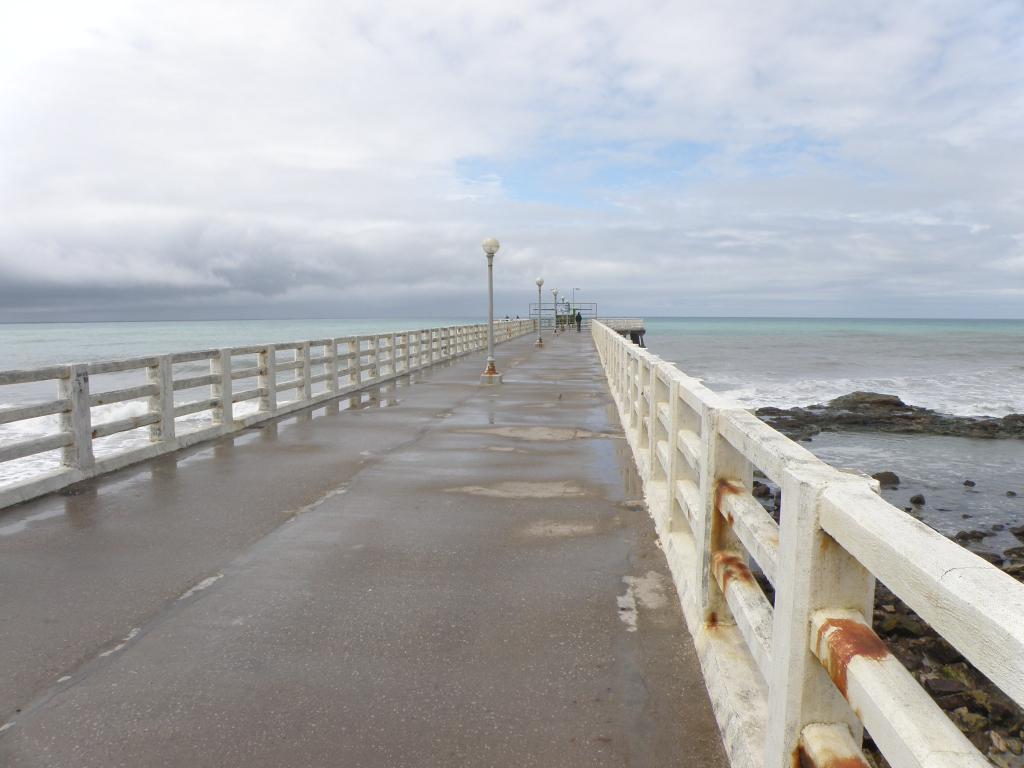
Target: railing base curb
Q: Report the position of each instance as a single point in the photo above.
(739, 697)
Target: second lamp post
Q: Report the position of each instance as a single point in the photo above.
(490, 374)
(540, 340)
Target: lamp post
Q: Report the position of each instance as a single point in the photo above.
(490, 374)
(540, 341)
(554, 292)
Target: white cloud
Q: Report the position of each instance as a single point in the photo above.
(311, 157)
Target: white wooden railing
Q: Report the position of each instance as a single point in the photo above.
(797, 682)
(321, 370)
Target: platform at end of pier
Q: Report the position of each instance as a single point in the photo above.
(432, 573)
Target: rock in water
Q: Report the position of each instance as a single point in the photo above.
(917, 499)
(887, 479)
(970, 483)
(860, 400)
(885, 413)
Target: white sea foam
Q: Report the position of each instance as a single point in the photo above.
(31, 466)
(985, 393)
(966, 368)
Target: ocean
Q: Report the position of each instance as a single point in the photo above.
(964, 367)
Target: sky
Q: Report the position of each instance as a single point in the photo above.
(346, 159)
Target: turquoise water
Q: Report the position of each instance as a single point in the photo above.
(966, 367)
(30, 345)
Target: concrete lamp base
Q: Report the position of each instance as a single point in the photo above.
(538, 343)
(490, 378)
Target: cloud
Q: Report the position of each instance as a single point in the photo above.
(337, 159)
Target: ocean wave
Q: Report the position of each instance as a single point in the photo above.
(19, 470)
(971, 395)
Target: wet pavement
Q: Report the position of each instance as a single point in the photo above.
(437, 573)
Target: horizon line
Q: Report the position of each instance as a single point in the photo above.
(473, 317)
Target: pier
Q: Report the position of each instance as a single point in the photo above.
(422, 572)
(402, 567)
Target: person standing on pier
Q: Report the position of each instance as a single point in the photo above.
(579, 321)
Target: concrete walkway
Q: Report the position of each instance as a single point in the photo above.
(436, 575)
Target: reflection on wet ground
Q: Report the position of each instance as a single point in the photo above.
(17, 519)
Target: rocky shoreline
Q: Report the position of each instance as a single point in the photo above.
(878, 412)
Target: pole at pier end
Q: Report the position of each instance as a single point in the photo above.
(540, 340)
(490, 374)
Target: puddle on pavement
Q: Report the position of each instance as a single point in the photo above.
(641, 591)
(20, 525)
(551, 529)
(537, 434)
(524, 490)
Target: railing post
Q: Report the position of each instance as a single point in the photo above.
(644, 410)
(267, 379)
(814, 573)
(632, 366)
(375, 370)
(305, 392)
(653, 422)
(672, 475)
(221, 390)
(352, 361)
(623, 369)
(78, 421)
(394, 353)
(331, 365)
(621, 357)
(723, 470)
(162, 403)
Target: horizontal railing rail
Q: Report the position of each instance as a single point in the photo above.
(314, 372)
(622, 323)
(795, 680)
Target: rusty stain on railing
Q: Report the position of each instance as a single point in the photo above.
(846, 639)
